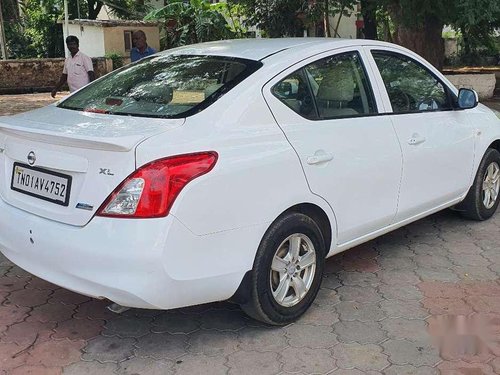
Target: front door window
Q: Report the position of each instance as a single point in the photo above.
(410, 86)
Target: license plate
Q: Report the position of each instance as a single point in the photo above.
(40, 183)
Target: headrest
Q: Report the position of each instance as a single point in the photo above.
(337, 85)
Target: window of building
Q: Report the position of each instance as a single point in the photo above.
(127, 36)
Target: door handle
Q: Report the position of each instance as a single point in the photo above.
(416, 140)
(319, 158)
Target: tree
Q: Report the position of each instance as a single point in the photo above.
(286, 18)
(419, 25)
(476, 21)
(321, 11)
(277, 18)
(191, 22)
(124, 9)
(34, 31)
(234, 14)
(32, 27)
(369, 12)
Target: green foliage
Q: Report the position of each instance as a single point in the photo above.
(19, 45)
(124, 9)
(322, 10)
(235, 14)
(476, 20)
(412, 14)
(276, 18)
(116, 58)
(418, 25)
(385, 26)
(191, 22)
(288, 18)
(415, 24)
(43, 29)
(128, 9)
(451, 34)
(35, 33)
(317, 10)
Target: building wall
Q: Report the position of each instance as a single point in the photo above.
(347, 28)
(91, 39)
(114, 38)
(450, 47)
(484, 84)
(39, 75)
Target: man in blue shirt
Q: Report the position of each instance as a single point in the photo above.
(141, 48)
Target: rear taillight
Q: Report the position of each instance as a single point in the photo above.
(152, 189)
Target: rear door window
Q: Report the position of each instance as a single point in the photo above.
(294, 91)
(333, 87)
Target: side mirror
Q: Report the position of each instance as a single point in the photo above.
(467, 99)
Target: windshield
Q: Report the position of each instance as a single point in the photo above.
(163, 86)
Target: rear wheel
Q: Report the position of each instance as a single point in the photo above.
(482, 200)
(287, 270)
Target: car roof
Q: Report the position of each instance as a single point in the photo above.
(259, 49)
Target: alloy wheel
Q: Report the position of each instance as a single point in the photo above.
(292, 270)
(491, 185)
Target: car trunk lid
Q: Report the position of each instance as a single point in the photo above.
(62, 164)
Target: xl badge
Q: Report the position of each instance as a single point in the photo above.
(106, 171)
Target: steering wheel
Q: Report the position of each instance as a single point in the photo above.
(428, 103)
(306, 105)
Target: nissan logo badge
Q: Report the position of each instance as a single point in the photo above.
(31, 158)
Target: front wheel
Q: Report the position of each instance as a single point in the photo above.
(482, 200)
(287, 270)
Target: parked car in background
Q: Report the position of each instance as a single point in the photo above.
(232, 169)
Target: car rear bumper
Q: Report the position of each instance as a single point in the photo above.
(149, 263)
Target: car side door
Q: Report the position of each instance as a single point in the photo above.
(328, 110)
(437, 141)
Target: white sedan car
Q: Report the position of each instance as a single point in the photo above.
(232, 169)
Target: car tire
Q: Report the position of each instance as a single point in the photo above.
(287, 270)
(482, 199)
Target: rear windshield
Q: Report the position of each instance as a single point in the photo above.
(163, 86)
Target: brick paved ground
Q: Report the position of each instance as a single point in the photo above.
(422, 300)
(12, 104)
(493, 103)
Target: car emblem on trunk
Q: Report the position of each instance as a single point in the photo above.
(31, 158)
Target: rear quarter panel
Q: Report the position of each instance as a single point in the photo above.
(257, 175)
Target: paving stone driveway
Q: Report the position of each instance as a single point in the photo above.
(422, 300)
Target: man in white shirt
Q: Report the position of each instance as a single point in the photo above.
(78, 70)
